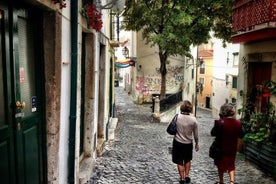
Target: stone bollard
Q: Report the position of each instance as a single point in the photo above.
(156, 113)
(140, 98)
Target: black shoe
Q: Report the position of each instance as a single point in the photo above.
(187, 180)
(181, 181)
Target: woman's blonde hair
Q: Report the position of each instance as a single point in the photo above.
(186, 106)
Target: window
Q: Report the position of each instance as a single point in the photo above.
(234, 82)
(202, 68)
(227, 59)
(227, 80)
(235, 58)
(201, 81)
(200, 85)
(234, 100)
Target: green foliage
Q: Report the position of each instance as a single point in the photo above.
(271, 85)
(259, 126)
(175, 25)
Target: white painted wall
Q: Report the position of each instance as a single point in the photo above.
(65, 95)
(221, 91)
(97, 70)
(189, 77)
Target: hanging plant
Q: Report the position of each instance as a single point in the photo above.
(61, 3)
(92, 16)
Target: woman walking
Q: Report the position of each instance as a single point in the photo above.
(182, 151)
(227, 138)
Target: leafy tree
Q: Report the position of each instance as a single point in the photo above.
(174, 25)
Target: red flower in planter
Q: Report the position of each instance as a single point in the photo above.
(61, 3)
(93, 16)
(266, 92)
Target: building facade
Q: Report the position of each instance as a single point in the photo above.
(205, 75)
(143, 80)
(256, 32)
(56, 90)
(225, 74)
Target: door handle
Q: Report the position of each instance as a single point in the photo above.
(20, 105)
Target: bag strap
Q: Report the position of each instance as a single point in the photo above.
(175, 117)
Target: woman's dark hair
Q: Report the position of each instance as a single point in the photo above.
(186, 106)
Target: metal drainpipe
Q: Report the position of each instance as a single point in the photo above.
(73, 97)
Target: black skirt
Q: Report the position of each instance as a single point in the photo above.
(181, 153)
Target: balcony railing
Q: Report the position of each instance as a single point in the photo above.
(169, 101)
(249, 15)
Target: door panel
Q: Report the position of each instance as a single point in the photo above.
(7, 161)
(5, 158)
(26, 63)
(2, 97)
(30, 144)
(258, 73)
(21, 66)
(29, 122)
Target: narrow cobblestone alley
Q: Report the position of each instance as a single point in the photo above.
(139, 154)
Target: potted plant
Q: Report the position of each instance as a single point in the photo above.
(92, 16)
(259, 125)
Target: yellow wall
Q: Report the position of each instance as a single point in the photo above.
(207, 87)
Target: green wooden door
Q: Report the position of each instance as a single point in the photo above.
(21, 77)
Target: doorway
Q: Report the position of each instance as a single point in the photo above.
(21, 97)
(208, 100)
(258, 72)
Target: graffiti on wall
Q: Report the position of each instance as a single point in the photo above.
(151, 83)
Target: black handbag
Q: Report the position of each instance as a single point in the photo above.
(171, 129)
(215, 151)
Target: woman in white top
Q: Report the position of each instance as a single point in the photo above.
(182, 151)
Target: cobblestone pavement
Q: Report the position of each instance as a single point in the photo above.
(140, 152)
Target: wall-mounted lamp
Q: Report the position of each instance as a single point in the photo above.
(199, 62)
(188, 64)
(125, 52)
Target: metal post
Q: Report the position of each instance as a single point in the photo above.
(196, 88)
(118, 26)
(196, 79)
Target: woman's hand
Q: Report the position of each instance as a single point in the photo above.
(196, 147)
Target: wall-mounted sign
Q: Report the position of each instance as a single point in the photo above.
(21, 75)
(34, 104)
